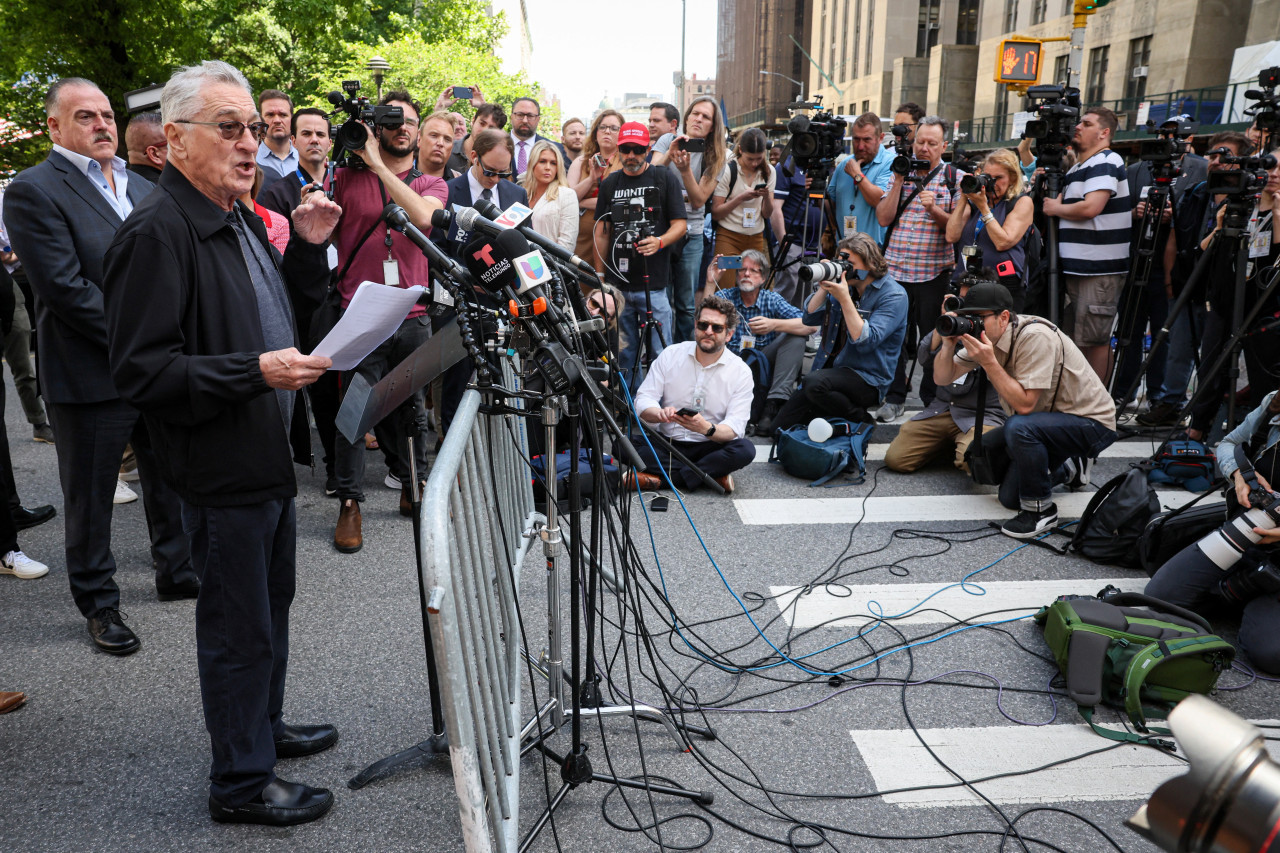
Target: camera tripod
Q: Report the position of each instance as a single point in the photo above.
(1232, 238)
(1049, 185)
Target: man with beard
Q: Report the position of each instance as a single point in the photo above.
(861, 179)
(644, 263)
(572, 134)
(369, 251)
(311, 141)
(703, 377)
(276, 154)
(773, 327)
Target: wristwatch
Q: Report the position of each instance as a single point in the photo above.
(857, 179)
(710, 432)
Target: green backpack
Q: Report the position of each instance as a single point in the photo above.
(1130, 651)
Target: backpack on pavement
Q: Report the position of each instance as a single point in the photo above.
(823, 461)
(1112, 523)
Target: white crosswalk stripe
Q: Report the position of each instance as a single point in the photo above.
(896, 759)
(920, 509)
(1119, 450)
(854, 605)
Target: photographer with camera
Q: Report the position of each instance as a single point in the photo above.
(951, 420)
(1093, 235)
(908, 115)
(1060, 415)
(916, 247)
(644, 216)
(994, 226)
(862, 312)
(369, 250)
(743, 200)
(861, 179)
(1233, 566)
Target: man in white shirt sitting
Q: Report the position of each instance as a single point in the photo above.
(698, 395)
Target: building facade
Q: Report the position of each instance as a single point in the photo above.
(755, 36)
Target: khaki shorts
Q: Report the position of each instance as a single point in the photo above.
(1091, 308)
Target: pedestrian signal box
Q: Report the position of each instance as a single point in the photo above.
(1018, 62)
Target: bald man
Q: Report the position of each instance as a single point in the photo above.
(148, 150)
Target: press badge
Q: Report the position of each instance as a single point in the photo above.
(750, 216)
(391, 273)
(850, 224)
(1260, 244)
(624, 264)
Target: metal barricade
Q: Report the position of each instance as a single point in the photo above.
(476, 509)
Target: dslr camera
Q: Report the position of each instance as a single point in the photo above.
(978, 183)
(825, 271)
(906, 162)
(816, 141)
(351, 135)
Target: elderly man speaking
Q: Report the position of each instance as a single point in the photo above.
(202, 338)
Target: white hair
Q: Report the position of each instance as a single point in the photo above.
(182, 98)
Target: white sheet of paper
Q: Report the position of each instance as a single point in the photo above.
(374, 314)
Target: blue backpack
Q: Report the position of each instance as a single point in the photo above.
(821, 462)
(1187, 463)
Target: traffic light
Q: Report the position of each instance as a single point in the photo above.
(1088, 7)
(1018, 62)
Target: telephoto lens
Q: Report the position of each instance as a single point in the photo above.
(824, 271)
(1226, 545)
(950, 326)
(951, 302)
(1252, 577)
(976, 183)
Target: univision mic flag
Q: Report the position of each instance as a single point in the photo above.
(532, 270)
(513, 215)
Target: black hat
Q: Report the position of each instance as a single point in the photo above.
(987, 296)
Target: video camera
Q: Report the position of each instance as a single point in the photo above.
(1058, 110)
(351, 134)
(634, 219)
(1247, 181)
(1267, 109)
(1172, 142)
(906, 162)
(816, 141)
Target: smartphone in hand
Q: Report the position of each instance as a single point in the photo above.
(730, 262)
(687, 411)
(462, 93)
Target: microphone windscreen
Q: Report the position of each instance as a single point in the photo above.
(336, 98)
(512, 244)
(486, 261)
(441, 219)
(487, 209)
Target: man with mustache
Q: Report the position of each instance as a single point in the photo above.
(62, 215)
(369, 251)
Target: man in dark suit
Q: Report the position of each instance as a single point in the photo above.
(62, 216)
(144, 140)
(488, 178)
(525, 115)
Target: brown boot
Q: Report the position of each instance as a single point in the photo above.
(11, 700)
(347, 537)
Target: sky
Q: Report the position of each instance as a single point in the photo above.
(584, 50)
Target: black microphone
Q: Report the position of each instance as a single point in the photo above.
(546, 244)
(336, 98)
(397, 218)
(490, 260)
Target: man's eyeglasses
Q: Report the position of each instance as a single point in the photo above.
(525, 115)
(231, 130)
(703, 325)
(493, 173)
(631, 149)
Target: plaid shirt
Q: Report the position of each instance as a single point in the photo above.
(918, 249)
(768, 304)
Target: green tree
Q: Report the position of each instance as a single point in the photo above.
(425, 70)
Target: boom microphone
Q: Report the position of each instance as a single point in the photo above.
(546, 244)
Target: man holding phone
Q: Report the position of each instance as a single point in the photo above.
(698, 395)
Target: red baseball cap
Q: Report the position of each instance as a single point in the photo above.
(634, 132)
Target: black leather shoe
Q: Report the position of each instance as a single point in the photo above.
(24, 518)
(297, 741)
(110, 634)
(178, 591)
(280, 804)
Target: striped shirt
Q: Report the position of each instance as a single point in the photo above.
(918, 249)
(1098, 246)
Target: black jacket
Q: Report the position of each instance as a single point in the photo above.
(184, 339)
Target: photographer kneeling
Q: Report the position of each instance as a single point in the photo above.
(1224, 565)
(864, 321)
(1060, 414)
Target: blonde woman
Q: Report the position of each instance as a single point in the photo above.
(996, 218)
(554, 203)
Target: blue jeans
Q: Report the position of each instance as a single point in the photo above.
(629, 319)
(1185, 333)
(1038, 444)
(683, 288)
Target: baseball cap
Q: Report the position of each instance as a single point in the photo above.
(633, 132)
(987, 296)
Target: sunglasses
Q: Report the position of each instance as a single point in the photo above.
(599, 310)
(491, 173)
(232, 130)
(703, 325)
(631, 149)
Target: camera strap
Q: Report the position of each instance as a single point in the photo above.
(408, 179)
(902, 205)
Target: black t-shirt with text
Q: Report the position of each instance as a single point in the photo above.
(665, 187)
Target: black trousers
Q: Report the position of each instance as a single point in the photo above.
(90, 440)
(246, 557)
(833, 392)
(714, 458)
(8, 488)
(924, 307)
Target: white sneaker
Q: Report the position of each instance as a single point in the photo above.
(392, 481)
(124, 494)
(20, 565)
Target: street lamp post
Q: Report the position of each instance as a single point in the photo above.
(785, 77)
(378, 67)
